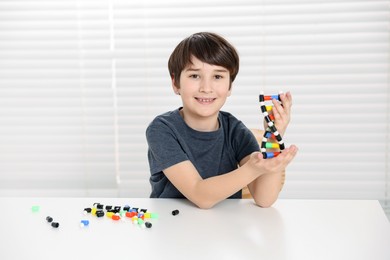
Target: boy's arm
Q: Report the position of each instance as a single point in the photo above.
(265, 189)
(205, 193)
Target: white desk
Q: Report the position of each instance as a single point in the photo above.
(234, 229)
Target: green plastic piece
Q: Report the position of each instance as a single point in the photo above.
(271, 145)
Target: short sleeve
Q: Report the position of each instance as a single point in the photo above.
(165, 149)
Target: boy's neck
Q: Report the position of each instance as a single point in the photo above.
(208, 124)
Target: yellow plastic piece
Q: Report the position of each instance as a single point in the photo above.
(271, 145)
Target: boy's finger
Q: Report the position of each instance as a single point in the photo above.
(291, 152)
(278, 108)
(288, 153)
(286, 99)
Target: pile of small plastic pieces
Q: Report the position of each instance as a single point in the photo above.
(137, 215)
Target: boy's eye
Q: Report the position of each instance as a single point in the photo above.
(195, 76)
(218, 76)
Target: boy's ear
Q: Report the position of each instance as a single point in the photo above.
(175, 88)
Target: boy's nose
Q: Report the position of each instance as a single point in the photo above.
(206, 86)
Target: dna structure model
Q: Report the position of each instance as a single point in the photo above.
(271, 138)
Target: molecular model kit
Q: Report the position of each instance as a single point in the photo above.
(271, 138)
(138, 216)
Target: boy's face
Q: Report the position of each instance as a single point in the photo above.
(204, 89)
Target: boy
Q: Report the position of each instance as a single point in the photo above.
(204, 154)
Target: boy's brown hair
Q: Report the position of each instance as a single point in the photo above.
(208, 47)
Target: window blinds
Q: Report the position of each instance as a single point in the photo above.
(81, 80)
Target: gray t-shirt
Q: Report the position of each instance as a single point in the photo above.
(172, 141)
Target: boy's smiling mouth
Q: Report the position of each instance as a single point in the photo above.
(205, 100)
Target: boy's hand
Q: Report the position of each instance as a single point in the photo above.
(273, 165)
(282, 112)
